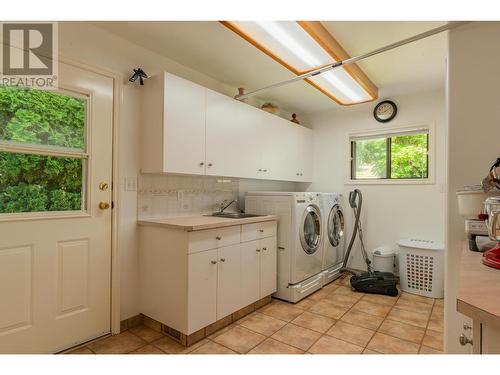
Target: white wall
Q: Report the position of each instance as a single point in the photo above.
(474, 141)
(390, 212)
(89, 44)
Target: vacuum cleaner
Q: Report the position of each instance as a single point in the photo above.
(375, 282)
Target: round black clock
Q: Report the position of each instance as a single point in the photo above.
(385, 111)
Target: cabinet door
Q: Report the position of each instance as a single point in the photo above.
(304, 153)
(184, 126)
(250, 272)
(279, 152)
(229, 280)
(202, 289)
(232, 137)
(268, 266)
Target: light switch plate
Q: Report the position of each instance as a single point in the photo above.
(131, 183)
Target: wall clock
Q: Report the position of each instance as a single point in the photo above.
(385, 111)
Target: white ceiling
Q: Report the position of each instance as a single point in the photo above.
(212, 49)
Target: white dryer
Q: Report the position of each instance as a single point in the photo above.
(300, 240)
(331, 206)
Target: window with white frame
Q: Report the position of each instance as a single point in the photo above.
(396, 155)
(43, 150)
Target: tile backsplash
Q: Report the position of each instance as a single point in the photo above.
(165, 195)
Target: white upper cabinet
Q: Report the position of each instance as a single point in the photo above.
(304, 154)
(232, 142)
(189, 129)
(173, 126)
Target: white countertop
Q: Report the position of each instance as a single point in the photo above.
(194, 223)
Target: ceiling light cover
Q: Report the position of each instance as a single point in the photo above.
(292, 46)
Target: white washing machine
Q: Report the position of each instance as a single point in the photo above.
(300, 240)
(331, 207)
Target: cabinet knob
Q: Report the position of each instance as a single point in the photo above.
(464, 340)
(260, 169)
(264, 170)
(261, 230)
(467, 326)
(264, 248)
(202, 164)
(218, 238)
(210, 164)
(222, 259)
(297, 174)
(257, 250)
(213, 262)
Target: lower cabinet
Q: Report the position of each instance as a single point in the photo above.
(228, 280)
(224, 280)
(202, 288)
(187, 285)
(250, 273)
(268, 266)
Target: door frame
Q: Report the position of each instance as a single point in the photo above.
(115, 192)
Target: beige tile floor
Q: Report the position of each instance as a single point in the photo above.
(334, 320)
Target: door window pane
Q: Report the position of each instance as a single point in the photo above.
(41, 117)
(35, 183)
(371, 158)
(409, 156)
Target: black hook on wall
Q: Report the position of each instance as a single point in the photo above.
(138, 73)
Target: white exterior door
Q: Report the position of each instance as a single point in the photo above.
(55, 222)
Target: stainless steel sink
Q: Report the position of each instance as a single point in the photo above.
(233, 215)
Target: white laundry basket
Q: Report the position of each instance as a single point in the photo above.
(421, 267)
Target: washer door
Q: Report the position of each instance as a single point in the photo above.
(310, 230)
(335, 226)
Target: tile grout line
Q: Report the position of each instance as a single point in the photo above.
(427, 325)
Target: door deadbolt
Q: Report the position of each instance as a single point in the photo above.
(103, 186)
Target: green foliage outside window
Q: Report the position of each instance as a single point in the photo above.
(33, 183)
(407, 157)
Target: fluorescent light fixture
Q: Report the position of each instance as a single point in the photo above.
(289, 43)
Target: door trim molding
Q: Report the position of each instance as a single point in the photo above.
(115, 193)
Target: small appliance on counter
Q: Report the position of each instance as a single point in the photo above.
(491, 183)
(471, 207)
(491, 257)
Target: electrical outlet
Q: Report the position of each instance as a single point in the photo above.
(131, 183)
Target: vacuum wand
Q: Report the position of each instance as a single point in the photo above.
(371, 281)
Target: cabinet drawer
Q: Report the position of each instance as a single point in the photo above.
(255, 231)
(213, 238)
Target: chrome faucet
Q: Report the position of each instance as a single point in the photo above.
(224, 204)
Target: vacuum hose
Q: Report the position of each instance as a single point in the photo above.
(357, 228)
(357, 214)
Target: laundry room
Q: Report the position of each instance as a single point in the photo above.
(275, 187)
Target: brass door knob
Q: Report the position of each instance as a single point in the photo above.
(103, 205)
